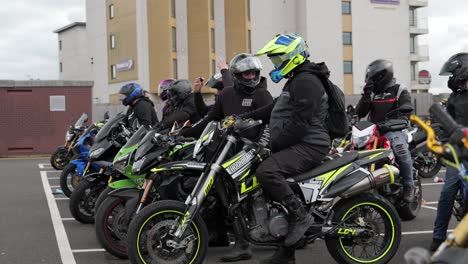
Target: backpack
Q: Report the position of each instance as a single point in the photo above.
(336, 121)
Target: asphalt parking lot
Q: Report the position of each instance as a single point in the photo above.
(37, 227)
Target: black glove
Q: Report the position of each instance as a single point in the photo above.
(368, 89)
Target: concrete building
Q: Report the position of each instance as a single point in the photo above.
(74, 60)
(145, 41)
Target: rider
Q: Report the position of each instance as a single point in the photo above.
(248, 92)
(140, 107)
(163, 87)
(384, 99)
(182, 105)
(299, 136)
(457, 105)
(218, 81)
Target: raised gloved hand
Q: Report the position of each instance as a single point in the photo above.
(367, 90)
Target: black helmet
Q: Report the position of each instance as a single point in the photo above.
(131, 91)
(245, 62)
(216, 82)
(457, 67)
(179, 90)
(380, 73)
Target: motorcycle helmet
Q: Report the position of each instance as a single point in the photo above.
(216, 82)
(457, 68)
(131, 91)
(179, 90)
(380, 73)
(243, 63)
(286, 52)
(163, 86)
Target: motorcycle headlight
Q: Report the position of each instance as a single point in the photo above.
(120, 163)
(96, 153)
(137, 165)
(68, 136)
(360, 142)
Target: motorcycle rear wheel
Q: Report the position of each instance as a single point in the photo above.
(430, 169)
(363, 211)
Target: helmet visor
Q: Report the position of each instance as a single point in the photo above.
(449, 67)
(249, 63)
(277, 60)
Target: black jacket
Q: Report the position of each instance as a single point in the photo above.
(202, 108)
(298, 114)
(143, 111)
(182, 112)
(457, 107)
(232, 101)
(380, 107)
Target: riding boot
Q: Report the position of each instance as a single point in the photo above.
(283, 255)
(299, 220)
(240, 251)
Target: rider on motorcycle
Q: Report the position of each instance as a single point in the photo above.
(457, 105)
(299, 137)
(140, 107)
(385, 99)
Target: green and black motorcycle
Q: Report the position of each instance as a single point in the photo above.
(357, 224)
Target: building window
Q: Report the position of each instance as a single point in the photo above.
(61, 67)
(60, 45)
(112, 41)
(213, 67)
(56, 103)
(347, 38)
(174, 39)
(248, 10)
(113, 72)
(173, 8)
(174, 68)
(348, 67)
(212, 9)
(412, 17)
(249, 39)
(111, 11)
(346, 8)
(412, 44)
(413, 71)
(213, 47)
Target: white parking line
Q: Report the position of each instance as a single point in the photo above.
(68, 219)
(434, 183)
(432, 202)
(88, 250)
(422, 232)
(44, 166)
(54, 178)
(62, 198)
(60, 234)
(429, 207)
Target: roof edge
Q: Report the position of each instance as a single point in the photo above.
(69, 26)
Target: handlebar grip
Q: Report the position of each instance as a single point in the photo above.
(441, 116)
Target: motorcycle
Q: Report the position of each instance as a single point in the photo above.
(336, 194)
(112, 136)
(426, 162)
(120, 199)
(369, 136)
(455, 249)
(80, 165)
(63, 154)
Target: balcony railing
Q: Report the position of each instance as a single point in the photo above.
(419, 26)
(420, 53)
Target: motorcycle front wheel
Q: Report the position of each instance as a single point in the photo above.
(83, 200)
(151, 240)
(69, 179)
(59, 159)
(378, 244)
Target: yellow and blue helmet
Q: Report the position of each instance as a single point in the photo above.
(286, 52)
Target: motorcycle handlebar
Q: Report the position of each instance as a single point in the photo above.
(442, 117)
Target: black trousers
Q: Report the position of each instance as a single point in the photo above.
(294, 160)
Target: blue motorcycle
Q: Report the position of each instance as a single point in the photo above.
(80, 164)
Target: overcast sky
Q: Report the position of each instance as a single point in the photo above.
(28, 46)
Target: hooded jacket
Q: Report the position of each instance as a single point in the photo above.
(232, 101)
(457, 107)
(180, 113)
(382, 106)
(143, 111)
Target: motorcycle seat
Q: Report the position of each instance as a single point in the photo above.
(330, 162)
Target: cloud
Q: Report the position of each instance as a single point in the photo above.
(28, 46)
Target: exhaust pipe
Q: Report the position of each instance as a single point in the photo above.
(376, 179)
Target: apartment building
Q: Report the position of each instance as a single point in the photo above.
(145, 41)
